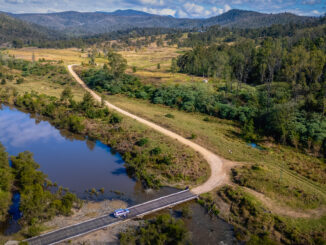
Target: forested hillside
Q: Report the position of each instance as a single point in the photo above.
(19, 32)
(76, 23)
(251, 19)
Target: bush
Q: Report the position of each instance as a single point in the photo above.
(75, 123)
(169, 115)
(142, 142)
(162, 230)
(20, 80)
(115, 118)
(193, 136)
(186, 212)
(156, 151)
(33, 230)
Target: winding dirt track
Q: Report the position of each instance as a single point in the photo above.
(218, 171)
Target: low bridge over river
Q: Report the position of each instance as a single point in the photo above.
(138, 210)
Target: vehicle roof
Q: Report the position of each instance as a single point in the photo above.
(121, 210)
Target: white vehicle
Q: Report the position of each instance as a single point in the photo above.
(121, 212)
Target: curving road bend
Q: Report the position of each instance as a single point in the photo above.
(218, 172)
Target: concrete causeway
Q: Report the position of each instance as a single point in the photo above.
(91, 225)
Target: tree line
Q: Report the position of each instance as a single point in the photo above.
(275, 88)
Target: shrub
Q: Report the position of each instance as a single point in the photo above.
(33, 230)
(156, 151)
(20, 80)
(169, 115)
(115, 118)
(75, 124)
(142, 142)
(193, 136)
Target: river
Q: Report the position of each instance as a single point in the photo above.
(80, 164)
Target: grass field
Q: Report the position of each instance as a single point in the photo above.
(146, 59)
(223, 137)
(68, 56)
(50, 86)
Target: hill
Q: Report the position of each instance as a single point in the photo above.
(13, 29)
(77, 23)
(250, 19)
(101, 22)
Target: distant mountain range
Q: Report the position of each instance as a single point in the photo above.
(76, 23)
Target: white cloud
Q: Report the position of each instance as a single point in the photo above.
(227, 8)
(164, 11)
(316, 12)
(217, 11)
(310, 2)
(14, 1)
(152, 2)
(182, 14)
(194, 9)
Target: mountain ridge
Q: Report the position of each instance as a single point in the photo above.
(89, 23)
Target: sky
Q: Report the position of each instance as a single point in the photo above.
(176, 8)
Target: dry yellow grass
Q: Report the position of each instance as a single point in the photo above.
(146, 60)
(68, 56)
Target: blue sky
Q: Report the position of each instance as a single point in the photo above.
(177, 8)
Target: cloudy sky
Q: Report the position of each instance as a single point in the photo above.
(177, 8)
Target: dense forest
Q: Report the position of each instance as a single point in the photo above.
(273, 86)
(215, 33)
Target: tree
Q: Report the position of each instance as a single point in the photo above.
(33, 57)
(3, 81)
(158, 66)
(6, 181)
(17, 43)
(174, 66)
(87, 102)
(66, 95)
(248, 130)
(118, 64)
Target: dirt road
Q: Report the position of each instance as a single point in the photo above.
(218, 171)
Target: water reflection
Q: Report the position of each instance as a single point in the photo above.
(67, 159)
(17, 131)
(119, 171)
(12, 225)
(82, 164)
